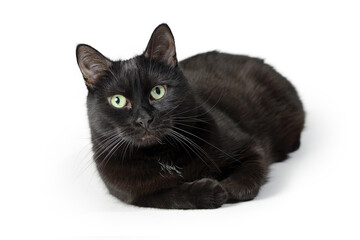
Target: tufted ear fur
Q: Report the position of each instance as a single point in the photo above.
(92, 64)
(161, 46)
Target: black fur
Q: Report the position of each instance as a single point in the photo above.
(208, 141)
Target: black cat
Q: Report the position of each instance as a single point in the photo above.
(190, 134)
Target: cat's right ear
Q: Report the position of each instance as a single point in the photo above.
(92, 63)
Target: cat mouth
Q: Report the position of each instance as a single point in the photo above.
(147, 138)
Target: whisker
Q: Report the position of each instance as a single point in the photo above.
(199, 106)
(208, 110)
(187, 132)
(184, 146)
(109, 144)
(190, 119)
(125, 149)
(197, 147)
(191, 126)
(102, 145)
(111, 153)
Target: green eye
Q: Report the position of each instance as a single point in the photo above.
(118, 101)
(158, 92)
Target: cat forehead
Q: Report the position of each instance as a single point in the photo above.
(128, 65)
(128, 75)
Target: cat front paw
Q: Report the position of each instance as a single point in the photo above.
(207, 193)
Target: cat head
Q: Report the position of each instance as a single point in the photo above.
(137, 100)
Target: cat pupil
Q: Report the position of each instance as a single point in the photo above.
(157, 90)
(117, 100)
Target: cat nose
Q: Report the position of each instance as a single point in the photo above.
(144, 121)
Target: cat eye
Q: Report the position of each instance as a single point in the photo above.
(118, 101)
(158, 92)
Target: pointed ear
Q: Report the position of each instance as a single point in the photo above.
(161, 46)
(92, 64)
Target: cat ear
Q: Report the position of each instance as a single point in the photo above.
(92, 64)
(161, 46)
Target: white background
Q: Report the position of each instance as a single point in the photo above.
(49, 187)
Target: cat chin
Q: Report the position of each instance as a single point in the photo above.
(146, 140)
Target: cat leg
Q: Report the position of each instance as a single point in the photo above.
(244, 182)
(205, 193)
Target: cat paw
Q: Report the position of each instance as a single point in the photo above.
(207, 193)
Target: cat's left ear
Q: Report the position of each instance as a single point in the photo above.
(161, 46)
